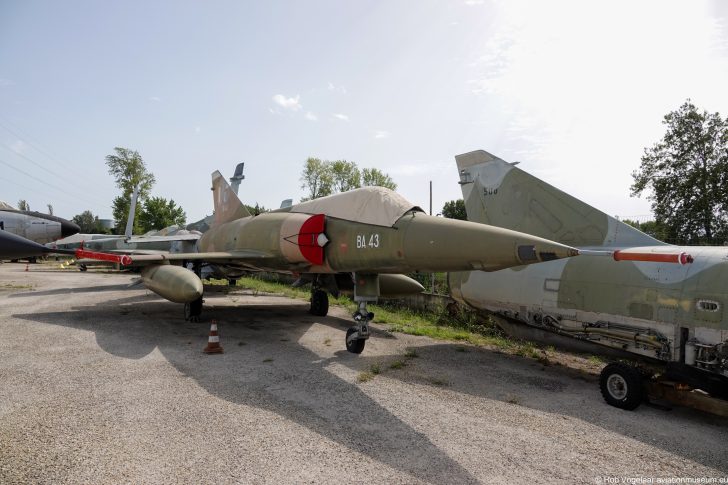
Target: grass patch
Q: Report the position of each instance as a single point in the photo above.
(437, 381)
(411, 354)
(527, 349)
(375, 369)
(513, 400)
(14, 286)
(365, 377)
(595, 359)
(456, 323)
(398, 364)
(327, 342)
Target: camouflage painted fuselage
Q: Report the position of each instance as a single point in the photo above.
(670, 312)
(414, 242)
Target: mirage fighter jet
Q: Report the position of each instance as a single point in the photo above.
(662, 304)
(364, 238)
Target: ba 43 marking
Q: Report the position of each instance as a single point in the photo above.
(364, 241)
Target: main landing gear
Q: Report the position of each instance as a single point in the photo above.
(319, 302)
(193, 309)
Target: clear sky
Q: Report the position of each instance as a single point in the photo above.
(574, 90)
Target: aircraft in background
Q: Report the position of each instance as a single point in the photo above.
(364, 238)
(672, 315)
(171, 239)
(34, 226)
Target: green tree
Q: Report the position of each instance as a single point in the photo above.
(23, 205)
(129, 171)
(88, 223)
(322, 177)
(455, 209)
(317, 178)
(158, 213)
(687, 174)
(375, 177)
(345, 175)
(651, 228)
(256, 209)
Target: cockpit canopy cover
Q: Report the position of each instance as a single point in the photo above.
(369, 205)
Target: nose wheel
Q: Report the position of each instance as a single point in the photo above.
(356, 336)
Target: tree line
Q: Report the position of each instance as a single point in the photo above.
(324, 177)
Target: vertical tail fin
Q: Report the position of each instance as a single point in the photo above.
(227, 204)
(498, 193)
(132, 213)
(237, 177)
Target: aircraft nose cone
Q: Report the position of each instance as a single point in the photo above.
(69, 228)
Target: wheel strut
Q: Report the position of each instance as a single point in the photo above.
(357, 335)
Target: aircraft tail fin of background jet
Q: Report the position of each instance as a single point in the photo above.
(227, 204)
(132, 213)
(500, 194)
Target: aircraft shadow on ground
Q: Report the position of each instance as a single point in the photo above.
(301, 389)
(304, 391)
(66, 291)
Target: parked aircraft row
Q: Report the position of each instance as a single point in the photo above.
(515, 258)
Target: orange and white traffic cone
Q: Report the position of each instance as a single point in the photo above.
(213, 341)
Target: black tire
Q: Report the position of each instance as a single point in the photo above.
(622, 386)
(319, 303)
(354, 346)
(193, 310)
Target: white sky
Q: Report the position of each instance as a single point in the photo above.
(574, 90)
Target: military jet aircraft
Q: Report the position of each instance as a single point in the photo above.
(667, 308)
(368, 236)
(34, 226)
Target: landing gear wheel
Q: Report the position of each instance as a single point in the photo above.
(622, 386)
(354, 345)
(319, 303)
(82, 267)
(193, 310)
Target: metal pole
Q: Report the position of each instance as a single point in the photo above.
(432, 279)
